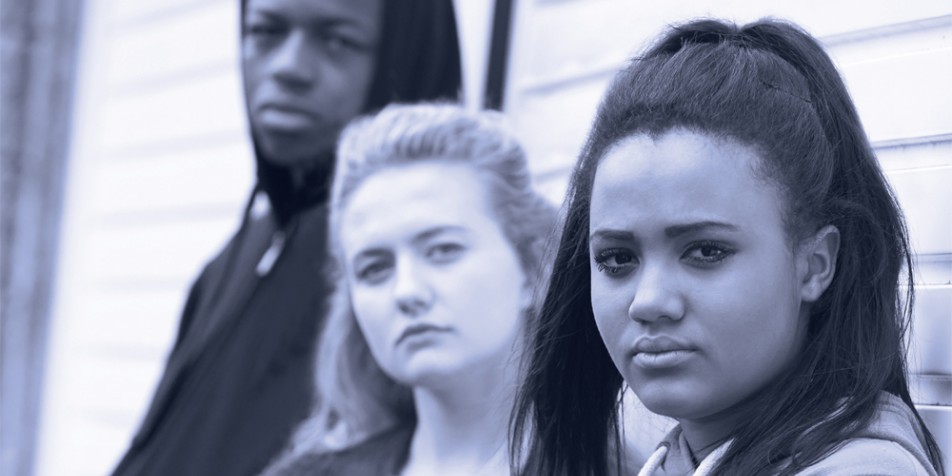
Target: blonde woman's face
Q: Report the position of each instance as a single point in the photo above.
(437, 289)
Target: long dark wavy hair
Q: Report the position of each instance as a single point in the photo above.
(768, 85)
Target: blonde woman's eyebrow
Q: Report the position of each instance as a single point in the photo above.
(430, 233)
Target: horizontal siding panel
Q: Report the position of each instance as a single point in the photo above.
(578, 37)
(899, 96)
(135, 326)
(122, 389)
(211, 106)
(575, 38)
(925, 154)
(170, 184)
(934, 269)
(829, 19)
(150, 257)
(153, 52)
(926, 34)
(91, 449)
(104, 399)
(553, 132)
(553, 125)
(106, 394)
(939, 421)
(98, 378)
(123, 13)
(930, 352)
(921, 193)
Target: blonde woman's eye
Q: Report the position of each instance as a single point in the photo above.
(374, 272)
(444, 252)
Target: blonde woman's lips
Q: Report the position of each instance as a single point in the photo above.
(417, 329)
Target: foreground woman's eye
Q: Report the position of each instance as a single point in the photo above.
(614, 261)
(706, 253)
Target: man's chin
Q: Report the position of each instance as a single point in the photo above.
(299, 151)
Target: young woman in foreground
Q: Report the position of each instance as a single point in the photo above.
(438, 235)
(732, 252)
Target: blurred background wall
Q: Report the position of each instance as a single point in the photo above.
(37, 72)
(156, 165)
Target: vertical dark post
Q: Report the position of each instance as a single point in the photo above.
(498, 55)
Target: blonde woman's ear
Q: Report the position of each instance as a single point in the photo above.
(817, 262)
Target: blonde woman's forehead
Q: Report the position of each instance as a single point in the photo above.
(401, 201)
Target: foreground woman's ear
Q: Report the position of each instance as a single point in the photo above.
(816, 262)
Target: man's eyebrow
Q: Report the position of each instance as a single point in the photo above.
(328, 21)
(265, 12)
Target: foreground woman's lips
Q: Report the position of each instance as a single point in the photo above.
(661, 352)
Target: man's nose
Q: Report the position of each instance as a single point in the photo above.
(293, 64)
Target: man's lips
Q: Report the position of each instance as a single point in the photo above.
(285, 116)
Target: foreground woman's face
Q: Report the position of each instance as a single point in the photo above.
(437, 289)
(694, 282)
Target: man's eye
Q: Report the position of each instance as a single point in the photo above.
(264, 30)
(338, 43)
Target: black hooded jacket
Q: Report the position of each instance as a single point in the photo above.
(239, 377)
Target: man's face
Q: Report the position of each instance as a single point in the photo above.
(307, 66)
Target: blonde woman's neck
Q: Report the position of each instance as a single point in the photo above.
(462, 428)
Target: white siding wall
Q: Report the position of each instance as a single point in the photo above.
(897, 62)
(159, 171)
